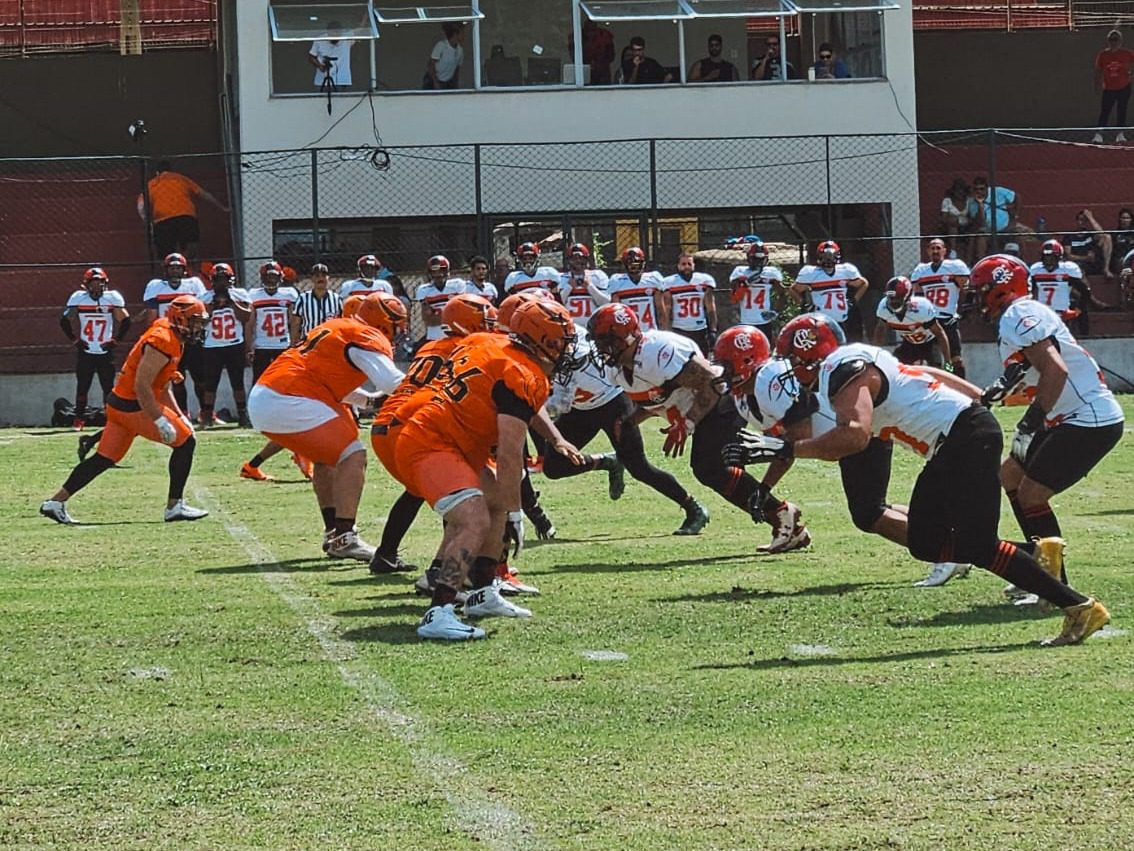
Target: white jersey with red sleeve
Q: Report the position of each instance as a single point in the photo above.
(488, 292)
(752, 293)
(915, 409)
(689, 300)
(364, 286)
(435, 298)
(271, 316)
(829, 290)
(159, 292)
(775, 393)
(576, 295)
(96, 317)
(1086, 400)
(544, 278)
(1053, 288)
(940, 284)
(589, 387)
(913, 325)
(660, 358)
(637, 295)
(225, 328)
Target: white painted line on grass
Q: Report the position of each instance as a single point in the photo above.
(155, 673)
(480, 817)
(811, 650)
(1110, 632)
(604, 655)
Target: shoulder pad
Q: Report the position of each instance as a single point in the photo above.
(844, 373)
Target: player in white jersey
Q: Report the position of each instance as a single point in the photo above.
(954, 510)
(95, 321)
(753, 288)
(371, 278)
(833, 288)
(1060, 284)
(434, 294)
(158, 294)
(1073, 420)
(478, 283)
(582, 290)
(914, 319)
(229, 307)
(272, 327)
(768, 398)
(529, 275)
(941, 280)
(693, 312)
(642, 291)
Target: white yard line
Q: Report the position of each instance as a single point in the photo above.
(484, 819)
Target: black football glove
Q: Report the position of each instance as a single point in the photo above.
(1001, 387)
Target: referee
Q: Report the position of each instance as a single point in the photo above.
(318, 304)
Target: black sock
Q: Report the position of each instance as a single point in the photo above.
(328, 518)
(443, 595)
(256, 461)
(86, 472)
(1016, 565)
(483, 571)
(689, 503)
(180, 463)
(1042, 522)
(401, 517)
(772, 504)
(344, 525)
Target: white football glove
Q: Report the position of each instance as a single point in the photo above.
(1021, 440)
(514, 533)
(753, 448)
(166, 429)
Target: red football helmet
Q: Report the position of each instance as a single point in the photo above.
(438, 267)
(95, 280)
(998, 281)
(579, 250)
(188, 318)
(368, 266)
(385, 312)
(177, 262)
(509, 305)
(271, 275)
(899, 291)
(466, 314)
(613, 329)
(741, 350)
(1051, 252)
(757, 256)
(544, 327)
(828, 253)
(634, 259)
(223, 274)
(805, 341)
(527, 257)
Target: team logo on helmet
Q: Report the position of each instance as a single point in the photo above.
(622, 317)
(805, 339)
(743, 342)
(1001, 274)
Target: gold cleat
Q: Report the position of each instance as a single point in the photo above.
(1049, 554)
(1079, 622)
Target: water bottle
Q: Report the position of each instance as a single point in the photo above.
(1041, 225)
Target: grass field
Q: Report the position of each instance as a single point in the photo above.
(221, 685)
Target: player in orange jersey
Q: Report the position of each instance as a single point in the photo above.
(494, 387)
(141, 405)
(302, 402)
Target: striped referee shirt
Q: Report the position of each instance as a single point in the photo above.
(313, 310)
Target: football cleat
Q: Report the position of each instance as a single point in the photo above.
(78, 424)
(1013, 592)
(427, 582)
(510, 582)
(349, 545)
(305, 466)
(1049, 555)
(487, 603)
(384, 564)
(696, 519)
(247, 471)
(1080, 622)
(942, 572)
(788, 531)
(57, 511)
(181, 511)
(87, 442)
(616, 480)
(442, 623)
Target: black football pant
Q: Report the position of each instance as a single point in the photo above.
(87, 366)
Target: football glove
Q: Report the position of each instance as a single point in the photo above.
(753, 448)
(166, 430)
(1001, 387)
(680, 427)
(1031, 424)
(514, 533)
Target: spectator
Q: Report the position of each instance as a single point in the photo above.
(993, 209)
(173, 211)
(1091, 247)
(768, 66)
(954, 213)
(713, 69)
(446, 58)
(827, 67)
(331, 58)
(598, 51)
(1112, 77)
(500, 272)
(638, 68)
(1012, 248)
(1123, 239)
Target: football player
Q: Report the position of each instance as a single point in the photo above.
(435, 293)
(158, 294)
(1073, 420)
(914, 319)
(1059, 283)
(643, 292)
(954, 510)
(941, 280)
(832, 287)
(141, 405)
(371, 278)
(753, 287)
(581, 288)
(229, 307)
(529, 274)
(95, 321)
(477, 282)
(692, 308)
(301, 402)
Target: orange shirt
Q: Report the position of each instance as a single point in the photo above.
(158, 336)
(320, 366)
(490, 376)
(171, 194)
(430, 362)
(1115, 66)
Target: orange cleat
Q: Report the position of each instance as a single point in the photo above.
(510, 583)
(254, 473)
(305, 465)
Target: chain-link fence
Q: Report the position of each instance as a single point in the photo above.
(880, 196)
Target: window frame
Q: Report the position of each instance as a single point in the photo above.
(323, 13)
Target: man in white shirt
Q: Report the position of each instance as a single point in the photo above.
(693, 310)
(832, 287)
(446, 58)
(753, 287)
(581, 288)
(643, 292)
(95, 321)
(331, 58)
(435, 293)
(159, 294)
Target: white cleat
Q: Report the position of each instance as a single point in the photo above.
(486, 603)
(942, 572)
(57, 511)
(790, 533)
(1097, 138)
(1013, 593)
(349, 545)
(181, 511)
(442, 623)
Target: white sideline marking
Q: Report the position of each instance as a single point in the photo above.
(604, 655)
(1109, 632)
(155, 673)
(482, 818)
(811, 650)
